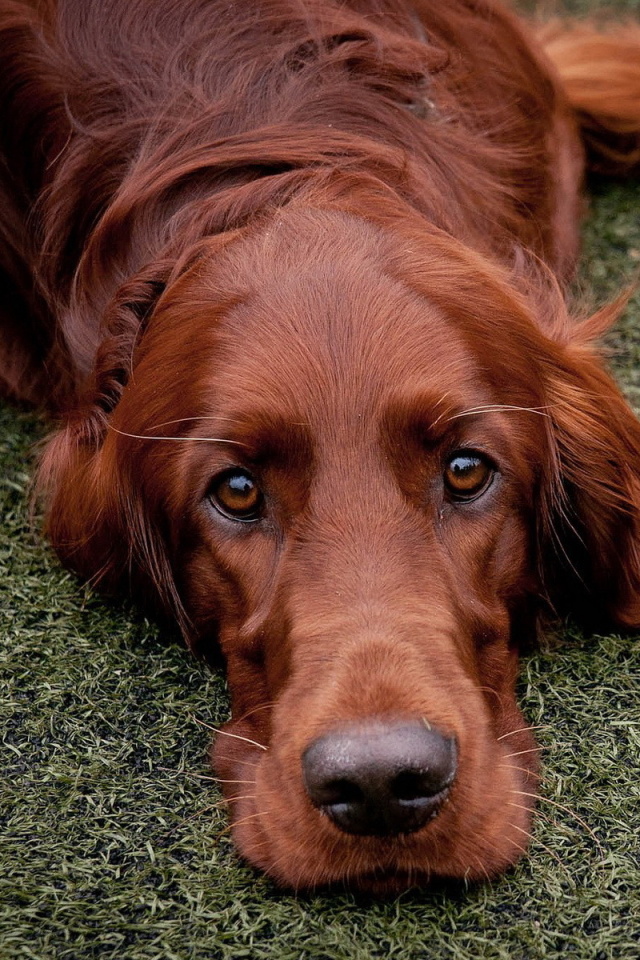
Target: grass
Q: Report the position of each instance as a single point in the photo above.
(112, 844)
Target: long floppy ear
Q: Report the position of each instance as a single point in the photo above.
(591, 517)
(94, 525)
(97, 513)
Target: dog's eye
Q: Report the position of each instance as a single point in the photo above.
(236, 495)
(467, 474)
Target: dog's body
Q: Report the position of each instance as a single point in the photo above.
(290, 270)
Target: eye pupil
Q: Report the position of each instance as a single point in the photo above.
(466, 475)
(237, 495)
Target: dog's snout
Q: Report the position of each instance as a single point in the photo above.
(380, 780)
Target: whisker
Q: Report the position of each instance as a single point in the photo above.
(521, 752)
(238, 823)
(539, 815)
(497, 408)
(554, 856)
(218, 805)
(568, 810)
(494, 693)
(522, 806)
(248, 763)
(194, 816)
(143, 436)
(225, 733)
(482, 867)
(441, 400)
(523, 850)
(202, 776)
(550, 820)
(540, 726)
(168, 423)
(271, 868)
(251, 783)
(512, 766)
(263, 706)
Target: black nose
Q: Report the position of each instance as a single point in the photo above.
(380, 779)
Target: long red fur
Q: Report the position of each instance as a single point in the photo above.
(326, 243)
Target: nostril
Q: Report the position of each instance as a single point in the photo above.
(339, 791)
(380, 779)
(411, 786)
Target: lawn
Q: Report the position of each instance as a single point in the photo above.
(113, 841)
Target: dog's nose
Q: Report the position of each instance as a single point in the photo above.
(380, 779)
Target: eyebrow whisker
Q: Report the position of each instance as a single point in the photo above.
(168, 423)
(143, 436)
(497, 408)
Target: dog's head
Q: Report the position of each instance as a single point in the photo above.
(361, 459)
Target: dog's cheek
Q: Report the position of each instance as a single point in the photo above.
(229, 589)
(209, 597)
(494, 586)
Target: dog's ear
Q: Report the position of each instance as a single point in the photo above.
(98, 514)
(93, 519)
(591, 515)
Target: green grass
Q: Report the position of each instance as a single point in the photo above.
(112, 846)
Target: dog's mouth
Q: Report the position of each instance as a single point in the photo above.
(356, 818)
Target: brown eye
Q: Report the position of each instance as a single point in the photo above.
(236, 495)
(467, 475)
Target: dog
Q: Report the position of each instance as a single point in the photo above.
(290, 274)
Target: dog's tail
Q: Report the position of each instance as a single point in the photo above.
(599, 70)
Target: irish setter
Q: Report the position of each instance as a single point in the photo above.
(290, 273)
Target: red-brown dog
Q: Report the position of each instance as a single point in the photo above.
(291, 271)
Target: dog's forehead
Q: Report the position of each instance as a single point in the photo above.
(322, 330)
(317, 320)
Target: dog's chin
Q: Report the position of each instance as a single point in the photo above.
(386, 884)
(382, 884)
(379, 875)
